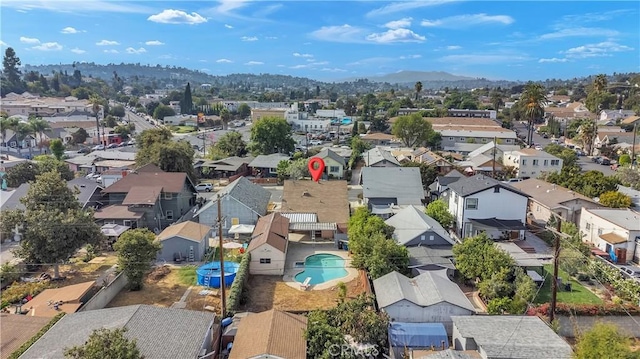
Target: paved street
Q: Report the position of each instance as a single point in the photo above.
(140, 123)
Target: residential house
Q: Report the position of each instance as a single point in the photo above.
(153, 328)
(449, 121)
(412, 337)
(547, 199)
(428, 298)
(27, 104)
(488, 149)
(631, 120)
(14, 140)
(328, 200)
(431, 258)
(616, 115)
(378, 139)
(531, 163)
(378, 157)
(270, 334)
(432, 159)
(187, 239)
(615, 136)
(225, 168)
(632, 193)
(267, 165)
(259, 113)
(481, 164)
(412, 227)
(473, 203)
(88, 194)
(180, 120)
(66, 299)
(242, 202)
(269, 244)
(439, 186)
(502, 337)
(101, 161)
(334, 163)
(613, 230)
(148, 197)
(452, 135)
(16, 330)
(385, 187)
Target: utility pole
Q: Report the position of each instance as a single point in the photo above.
(556, 256)
(633, 147)
(223, 297)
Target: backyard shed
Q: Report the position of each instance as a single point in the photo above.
(268, 246)
(416, 336)
(187, 240)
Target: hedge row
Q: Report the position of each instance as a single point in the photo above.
(586, 309)
(23, 348)
(235, 293)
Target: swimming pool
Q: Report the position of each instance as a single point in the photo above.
(322, 268)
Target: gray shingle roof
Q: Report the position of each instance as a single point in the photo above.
(160, 332)
(411, 222)
(245, 192)
(502, 336)
(427, 289)
(376, 155)
(623, 217)
(452, 176)
(327, 152)
(489, 146)
(269, 161)
(424, 256)
(86, 187)
(403, 183)
(478, 183)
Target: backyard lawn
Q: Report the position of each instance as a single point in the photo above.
(578, 295)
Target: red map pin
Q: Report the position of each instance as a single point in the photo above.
(316, 168)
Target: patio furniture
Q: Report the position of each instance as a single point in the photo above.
(305, 285)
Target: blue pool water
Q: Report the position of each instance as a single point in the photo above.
(321, 268)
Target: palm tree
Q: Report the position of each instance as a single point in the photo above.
(225, 116)
(418, 88)
(533, 102)
(587, 133)
(96, 103)
(600, 83)
(496, 100)
(39, 126)
(23, 131)
(7, 123)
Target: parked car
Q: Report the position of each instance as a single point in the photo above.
(204, 187)
(595, 159)
(315, 142)
(538, 147)
(630, 272)
(113, 145)
(98, 148)
(604, 161)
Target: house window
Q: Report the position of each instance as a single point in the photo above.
(496, 189)
(546, 163)
(450, 138)
(555, 162)
(588, 226)
(472, 203)
(13, 144)
(168, 195)
(423, 237)
(508, 140)
(126, 222)
(265, 260)
(523, 162)
(334, 169)
(432, 238)
(169, 215)
(462, 139)
(535, 162)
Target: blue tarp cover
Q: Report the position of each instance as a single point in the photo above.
(417, 335)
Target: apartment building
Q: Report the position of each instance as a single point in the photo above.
(530, 163)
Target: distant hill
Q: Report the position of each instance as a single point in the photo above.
(404, 77)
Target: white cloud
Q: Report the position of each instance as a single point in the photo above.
(271, 37)
(579, 32)
(226, 6)
(154, 43)
(107, 43)
(77, 51)
(297, 54)
(280, 66)
(553, 60)
(111, 51)
(77, 6)
(463, 21)
(70, 30)
(228, 26)
(397, 24)
(249, 38)
(596, 50)
(252, 63)
(454, 47)
(344, 33)
(570, 20)
(296, 67)
(483, 59)
(131, 50)
(29, 40)
(410, 57)
(48, 46)
(170, 16)
(224, 61)
(319, 63)
(328, 69)
(405, 6)
(396, 35)
(2, 43)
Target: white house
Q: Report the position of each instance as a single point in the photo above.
(428, 298)
(531, 163)
(268, 246)
(615, 231)
(483, 204)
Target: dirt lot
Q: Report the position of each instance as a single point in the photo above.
(195, 301)
(159, 292)
(267, 292)
(79, 272)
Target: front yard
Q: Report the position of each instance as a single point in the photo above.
(579, 294)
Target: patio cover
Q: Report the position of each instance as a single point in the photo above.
(313, 226)
(417, 335)
(502, 224)
(113, 230)
(535, 276)
(242, 229)
(613, 238)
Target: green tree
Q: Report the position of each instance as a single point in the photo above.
(11, 74)
(569, 157)
(533, 101)
(629, 176)
(496, 100)
(163, 111)
(6, 124)
(386, 256)
(53, 224)
(244, 111)
(412, 130)
(117, 111)
(79, 136)
(604, 340)
(232, 144)
(418, 88)
(39, 126)
(48, 164)
(439, 211)
(136, 249)
(125, 131)
(225, 116)
(57, 148)
(156, 146)
(298, 169)
(586, 134)
(105, 343)
(598, 96)
(321, 336)
(282, 171)
(624, 159)
(615, 199)
(186, 105)
(81, 93)
(271, 135)
(498, 285)
(478, 257)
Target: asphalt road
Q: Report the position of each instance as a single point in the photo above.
(140, 123)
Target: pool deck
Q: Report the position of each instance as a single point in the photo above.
(298, 252)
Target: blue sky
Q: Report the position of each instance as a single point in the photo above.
(327, 40)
